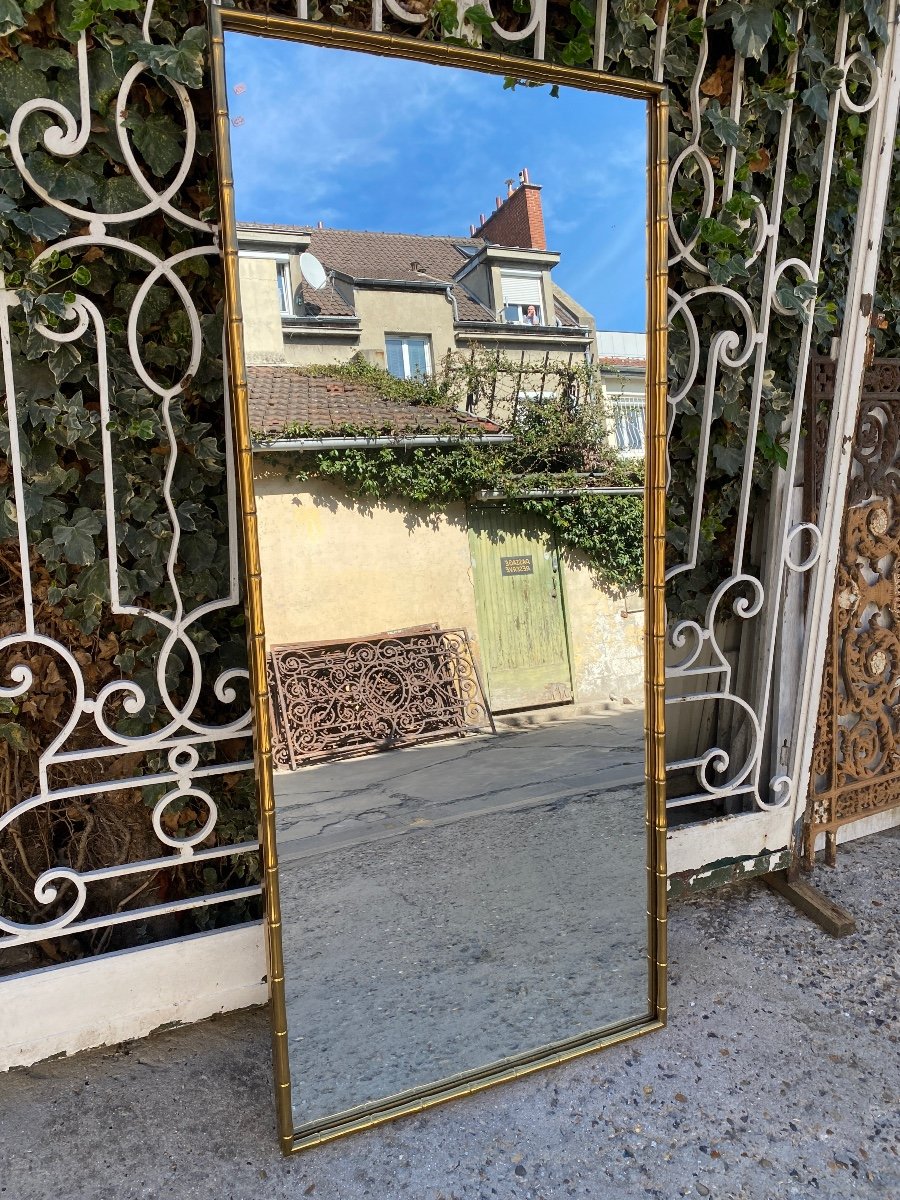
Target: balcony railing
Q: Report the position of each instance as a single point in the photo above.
(630, 421)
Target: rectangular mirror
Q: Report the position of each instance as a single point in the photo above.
(451, 464)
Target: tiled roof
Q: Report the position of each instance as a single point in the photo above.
(364, 255)
(613, 361)
(361, 254)
(326, 302)
(282, 397)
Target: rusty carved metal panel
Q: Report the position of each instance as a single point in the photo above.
(333, 699)
(856, 763)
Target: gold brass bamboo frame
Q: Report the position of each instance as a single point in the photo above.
(420, 1098)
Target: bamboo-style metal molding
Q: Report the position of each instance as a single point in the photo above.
(419, 1099)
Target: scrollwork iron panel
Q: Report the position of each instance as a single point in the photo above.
(334, 699)
(856, 759)
(168, 737)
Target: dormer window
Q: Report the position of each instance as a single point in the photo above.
(523, 297)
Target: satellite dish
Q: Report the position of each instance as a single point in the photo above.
(312, 271)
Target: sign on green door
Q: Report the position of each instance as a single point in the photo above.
(521, 622)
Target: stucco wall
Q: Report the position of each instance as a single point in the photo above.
(335, 567)
(383, 312)
(606, 636)
(302, 351)
(259, 306)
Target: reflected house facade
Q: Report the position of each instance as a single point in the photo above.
(622, 358)
(542, 628)
(403, 301)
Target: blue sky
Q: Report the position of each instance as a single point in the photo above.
(360, 142)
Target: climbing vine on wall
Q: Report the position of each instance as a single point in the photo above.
(561, 444)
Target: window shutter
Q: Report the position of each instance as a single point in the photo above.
(394, 356)
(418, 361)
(522, 289)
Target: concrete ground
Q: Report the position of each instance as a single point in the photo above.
(778, 1076)
(458, 903)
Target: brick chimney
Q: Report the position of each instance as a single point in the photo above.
(518, 220)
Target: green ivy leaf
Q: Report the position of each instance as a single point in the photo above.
(752, 30)
(182, 63)
(12, 732)
(717, 234)
(742, 204)
(874, 10)
(44, 224)
(816, 97)
(579, 50)
(478, 17)
(726, 130)
(47, 58)
(730, 459)
(53, 302)
(771, 450)
(158, 139)
(11, 17)
(76, 538)
(786, 34)
(582, 14)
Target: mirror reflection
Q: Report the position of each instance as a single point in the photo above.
(449, 430)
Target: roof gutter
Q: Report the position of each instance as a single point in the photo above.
(549, 493)
(397, 285)
(362, 443)
(565, 335)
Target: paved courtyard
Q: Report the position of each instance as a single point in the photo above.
(778, 1077)
(457, 903)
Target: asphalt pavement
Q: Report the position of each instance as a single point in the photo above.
(777, 1077)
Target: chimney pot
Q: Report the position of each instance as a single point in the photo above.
(523, 175)
(471, 231)
(481, 218)
(498, 201)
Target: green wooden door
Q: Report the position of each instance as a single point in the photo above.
(521, 623)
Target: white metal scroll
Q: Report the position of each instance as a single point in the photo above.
(705, 672)
(184, 744)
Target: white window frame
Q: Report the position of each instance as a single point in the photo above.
(521, 307)
(404, 339)
(285, 294)
(282, 277)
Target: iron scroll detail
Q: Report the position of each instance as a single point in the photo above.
(339, 698)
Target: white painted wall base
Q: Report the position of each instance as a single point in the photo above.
(697, 849)
(115, 997)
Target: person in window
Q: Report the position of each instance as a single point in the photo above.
(531, 317)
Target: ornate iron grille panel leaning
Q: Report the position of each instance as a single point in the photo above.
(856, 764)
(333, 699)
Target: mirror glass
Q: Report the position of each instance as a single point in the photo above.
(443, 289)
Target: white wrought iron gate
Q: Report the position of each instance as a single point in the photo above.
(744, 671)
